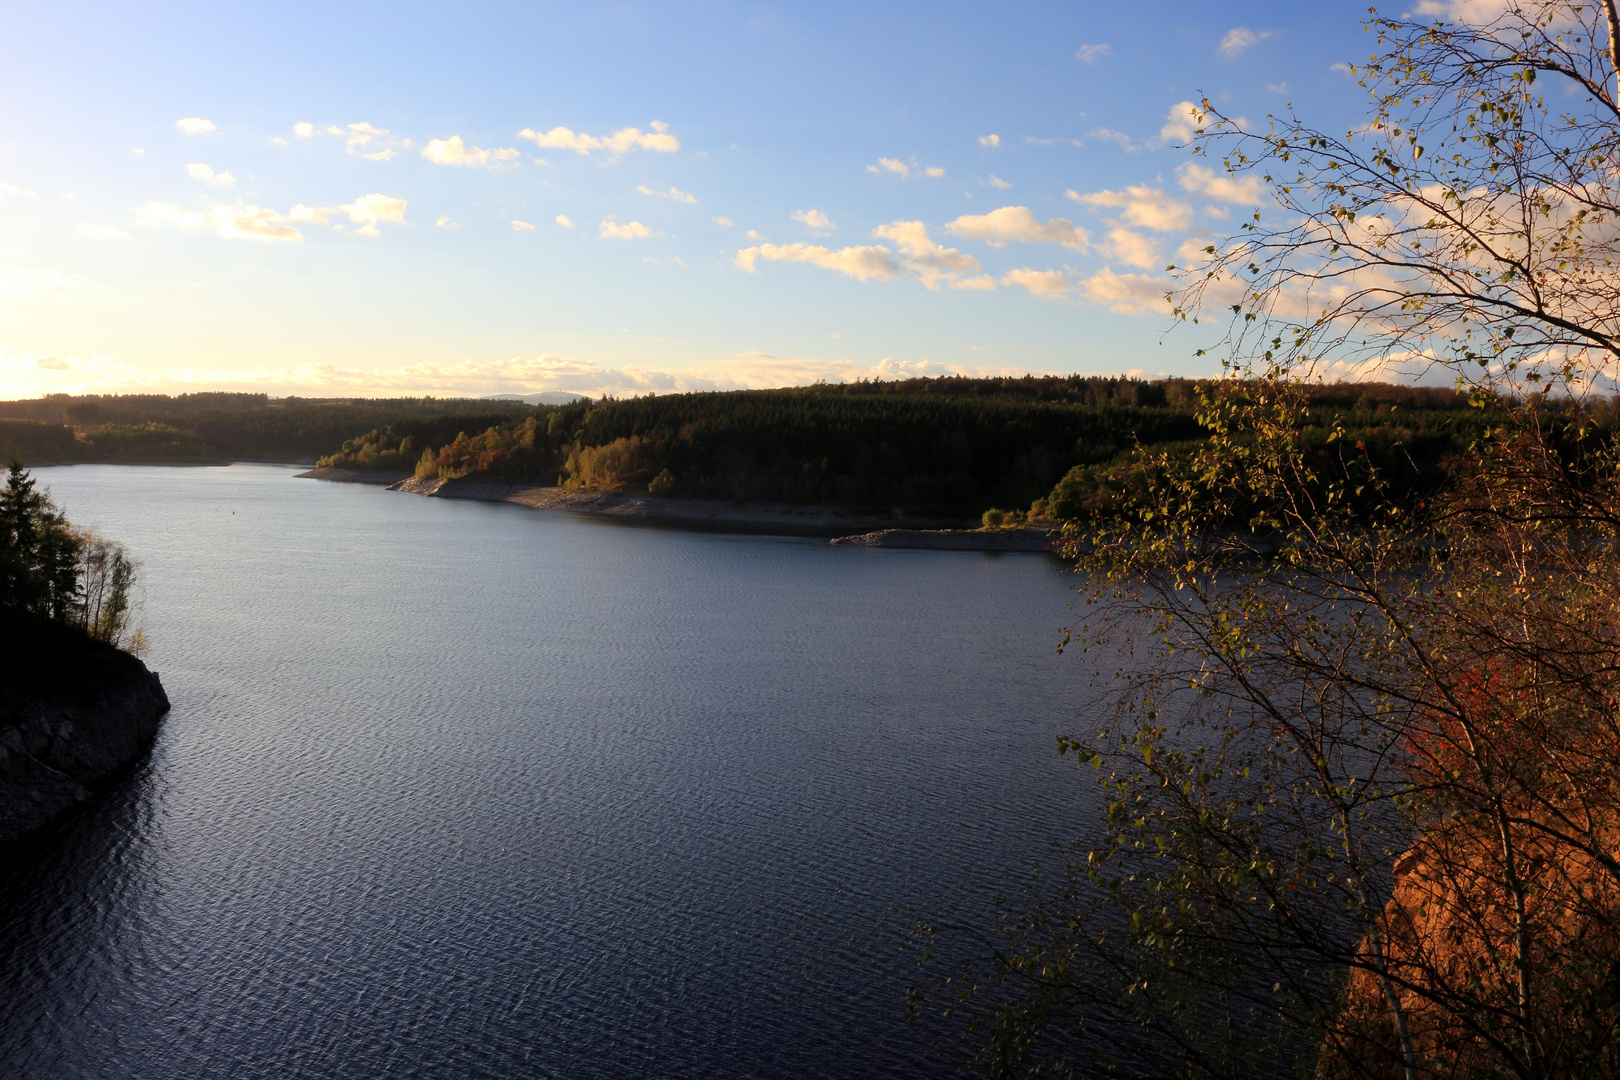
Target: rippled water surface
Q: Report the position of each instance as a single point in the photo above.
(454, 789)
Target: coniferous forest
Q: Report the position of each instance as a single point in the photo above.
(945, 448)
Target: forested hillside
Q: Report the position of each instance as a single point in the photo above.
(935, 447)
(947, 448)
(210, 427)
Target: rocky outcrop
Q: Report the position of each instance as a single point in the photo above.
(1450, 946)
(73, 712)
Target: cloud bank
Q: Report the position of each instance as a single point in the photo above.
(244, 222)
(616, 145)
(24, 375)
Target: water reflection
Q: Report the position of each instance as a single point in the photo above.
(455, 790)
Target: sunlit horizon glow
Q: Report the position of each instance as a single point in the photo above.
(673, 200)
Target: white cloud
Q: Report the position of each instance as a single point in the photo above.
(137, 151)
(754, 234)
(1090, 54)
(368, 210)
(1018, 223)
(1474, 12)
(1240, 38)
(102, 232)
(1128, 294)
(1279, 88)
(199, 171)
(905, 170)
(814, 220)
(1182, 122)
(562, 219)
(1119, 138)
(1342, 69)
(727, 222)
(1192, 251)
(13, 189)
(1141, 205)
(238, 222)
(630, 230)
(927, 261)
(1208, 184)
(995, 182)
(673, 193)
(453, 151)
(277, 140)
(195, 125)
(1132, 248)
(990, 140)
(1046, 284)
(445, 221)
(862, 263)
(521, 226)
(620, 142)
(920, 258)
(303, 129)
(244, 222)
(361, 137)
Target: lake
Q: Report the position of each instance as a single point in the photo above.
(456, 789)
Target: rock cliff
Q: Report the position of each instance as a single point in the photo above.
(72, 713)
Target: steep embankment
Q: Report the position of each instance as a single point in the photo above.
(72, 713)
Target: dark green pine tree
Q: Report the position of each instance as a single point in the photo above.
(39, 570)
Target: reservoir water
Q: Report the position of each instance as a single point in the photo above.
(454, 789)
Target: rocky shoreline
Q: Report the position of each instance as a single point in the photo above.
(74, 714)
(836, 523)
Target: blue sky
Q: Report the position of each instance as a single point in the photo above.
(708, 195)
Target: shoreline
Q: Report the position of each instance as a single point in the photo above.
(837, 524)
(179, 463)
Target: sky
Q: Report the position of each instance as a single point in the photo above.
(620, 198)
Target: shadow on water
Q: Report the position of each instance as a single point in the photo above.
(72, 896)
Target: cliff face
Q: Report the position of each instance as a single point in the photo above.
(72, 713)
(1451, 948)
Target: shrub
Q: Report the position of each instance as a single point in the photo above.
(663, 484)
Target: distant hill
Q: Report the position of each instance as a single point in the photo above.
(212, 427)
(941, 448)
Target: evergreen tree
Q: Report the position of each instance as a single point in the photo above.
(39, 555)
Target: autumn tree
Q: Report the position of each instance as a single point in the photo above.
(1360, 815)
